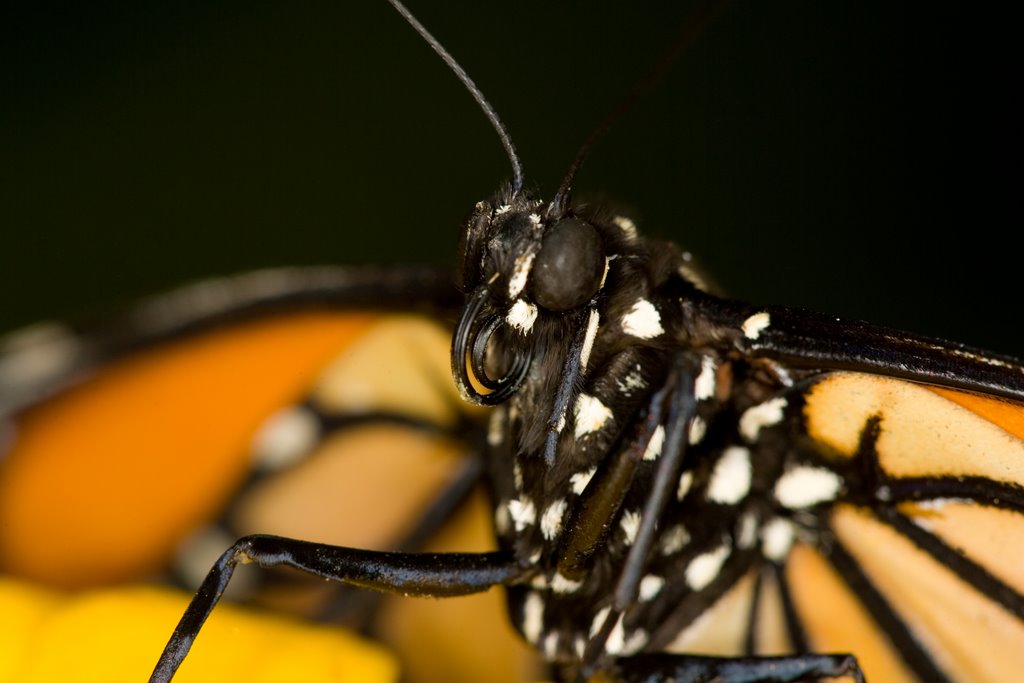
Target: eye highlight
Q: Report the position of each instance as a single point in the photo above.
(569, 268)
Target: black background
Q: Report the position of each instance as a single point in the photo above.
(861, 159)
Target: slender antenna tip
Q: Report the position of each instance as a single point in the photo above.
(467, 82)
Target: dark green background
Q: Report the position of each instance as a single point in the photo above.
(855, 158)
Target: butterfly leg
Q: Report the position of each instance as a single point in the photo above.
(697, 669)
(420, 574)
(357, 608)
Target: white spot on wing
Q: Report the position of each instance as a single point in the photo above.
(551, 519)
(533, 616)
(704, 568)
(590, 414)
(730, 479)
(523, 512)
(285, 438)
(804, 486)
(762, 415)
(521, 316)
(33, 355)
(642, 320)
(653, 449)
(196, 552)
(756, 324)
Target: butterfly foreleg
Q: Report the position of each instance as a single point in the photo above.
(413, 574)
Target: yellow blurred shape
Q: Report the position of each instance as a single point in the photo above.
(117, 634)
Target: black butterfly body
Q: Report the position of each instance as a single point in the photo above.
(654, 399)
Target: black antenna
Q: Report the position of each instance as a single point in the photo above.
(492, 116)
(690, 30)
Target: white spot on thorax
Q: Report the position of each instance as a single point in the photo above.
(599, 620)
(551, 519)
(804, 486)
(630, 524)
(704, 386)
(730, 479)
(627, 227)
(590, 414)
(533, 616)
(520, 273)
(618, 644)
(504, 208)
(685, 482)
(560, 584)
(766, 414)
(588, 340)
(642, 320)
(673, 540)
(496, 428)
(756, 324)
(698, 429)
(746, 535)
(523, 512)
(502, 519)
(550, 647)
(521, 316)
(632, 382)
(650, 586)
(580, 480)
(704, 568)
(654, 446)
(776, 539)
(285, 438)
(616, 638)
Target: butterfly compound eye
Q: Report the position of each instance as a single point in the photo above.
(569, 267)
